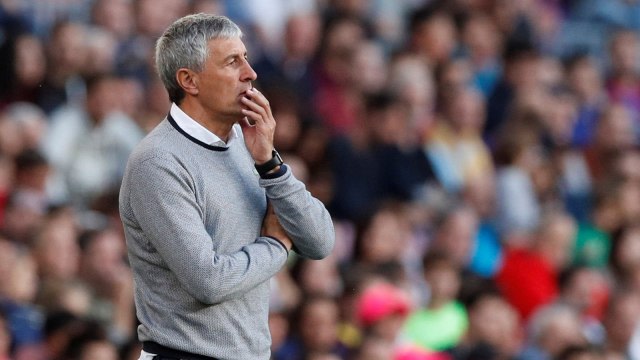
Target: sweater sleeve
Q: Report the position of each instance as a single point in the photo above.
(163, 203)
(303, 217)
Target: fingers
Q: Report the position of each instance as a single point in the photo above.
(251, 117)
(259, 99)
(259, 127)
(258, 108)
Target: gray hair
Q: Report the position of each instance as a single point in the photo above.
(185, 45)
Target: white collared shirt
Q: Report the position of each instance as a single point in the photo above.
(143, 354)
(195, 129)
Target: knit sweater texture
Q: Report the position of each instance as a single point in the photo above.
(192, 215)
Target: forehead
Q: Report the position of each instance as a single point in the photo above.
(224, 47)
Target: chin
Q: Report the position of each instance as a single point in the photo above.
(234, 113)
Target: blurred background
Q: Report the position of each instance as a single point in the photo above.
(479, 158)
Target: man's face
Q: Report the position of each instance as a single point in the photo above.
(225, 78)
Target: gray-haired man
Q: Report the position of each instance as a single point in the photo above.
(210, 211)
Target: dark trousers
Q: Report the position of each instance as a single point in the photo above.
(165, 353)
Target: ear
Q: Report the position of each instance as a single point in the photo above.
(188, 81)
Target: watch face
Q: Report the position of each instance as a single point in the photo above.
(278, 157)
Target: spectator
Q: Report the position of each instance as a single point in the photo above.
(31, 124)
(337, 100)
(455, 236)
(494, 329)
(294, 65)
(528, 277)
(433, 35)
(101, 50)
(382, 244)
(585, 290)
(382, 310)
(441, 324)
(60, 328)
(104, 270)
(593, 240)
(586, 81)
(411, 81)
(624, 254)
(552, 330)
(318, 277)
(620, 321)
(518, 155)
(56, 250)
(17, 293)
(479, 195)
(623, 83)
(90, 343)
(116, 17)
(28, 70)
(455, 147)
(520, 67)
(88, 145)
(614, 133)
(315, 331)
(66, 52)
(31, 173)
(381, 144)
(482, 41)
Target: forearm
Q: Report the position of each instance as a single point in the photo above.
(213, 277)
(304, 218)
(175, 237)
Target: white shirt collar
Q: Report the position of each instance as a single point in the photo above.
(195, 129)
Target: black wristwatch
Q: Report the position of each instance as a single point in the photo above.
(275, 161)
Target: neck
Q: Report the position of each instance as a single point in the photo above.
(218, 125)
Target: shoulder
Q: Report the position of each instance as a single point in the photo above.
(158, 144)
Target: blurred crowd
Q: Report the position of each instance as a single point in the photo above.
(480, 160)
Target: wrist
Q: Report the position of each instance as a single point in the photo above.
(287, 245)
(270, 166)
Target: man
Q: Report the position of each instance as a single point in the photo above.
(209, 210)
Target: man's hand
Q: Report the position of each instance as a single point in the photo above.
(258, 126)
(271, 227)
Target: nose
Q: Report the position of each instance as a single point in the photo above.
(248, 74)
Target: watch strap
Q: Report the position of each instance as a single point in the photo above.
(275, 161)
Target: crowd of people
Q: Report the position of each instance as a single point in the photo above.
(479, 159)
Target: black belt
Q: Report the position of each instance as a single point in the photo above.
(164, 352)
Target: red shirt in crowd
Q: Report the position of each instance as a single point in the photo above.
(527, 281)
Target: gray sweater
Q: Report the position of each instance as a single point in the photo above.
(192, 215)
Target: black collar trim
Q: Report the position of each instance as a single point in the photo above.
(204, 145)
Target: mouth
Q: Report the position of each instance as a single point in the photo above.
(244, 93)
